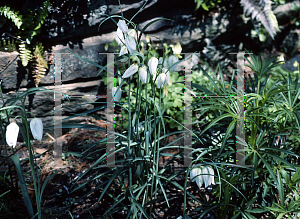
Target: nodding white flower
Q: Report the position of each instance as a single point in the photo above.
(130, 43)
(160, 61)
(203, 174)
(171, 61)
(12, 132)
(143, 74)
(161, 79)
(167, 81)
(122, 25)
(119, 37)
(130, 71)
(36, 127)
(116, 96)
(152, 64)
(132, 33)
(123, 50)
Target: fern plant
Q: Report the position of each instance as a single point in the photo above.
(30, 25)
(12, 15)
(260, 10)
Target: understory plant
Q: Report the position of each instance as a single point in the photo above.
(268, 184)
(10, 128)
(173, 96)
(139, 176)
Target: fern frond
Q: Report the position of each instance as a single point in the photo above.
(40, 64)
(25, 54)
(262, 12)
(12, 15)
(41, 15)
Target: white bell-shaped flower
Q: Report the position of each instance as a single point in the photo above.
(203, 174)
(195, 176)
(119, 37)
(130, 43)
(211, 172)
(161, 79)
(132, 33)
(171, 61)
(116, 96)
(12, 132)
(152, 64)
(36, 127)
(161, 64)
(123, 50)
(143, 74)
(122, 25)
(130, 71)
(167, 82)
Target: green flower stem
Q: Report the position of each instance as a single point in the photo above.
(154, 140)
(129, 129)
(145, 131)
(185, 186)
(253, 126)
(31, 162)
(157, 148)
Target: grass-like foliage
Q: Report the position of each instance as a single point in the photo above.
(269, 184)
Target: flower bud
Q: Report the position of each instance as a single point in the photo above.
(130, 71)
(123, 50)
(176, 49)
(295, 64)
(116, 96)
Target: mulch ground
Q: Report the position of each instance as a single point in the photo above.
(56, 197)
